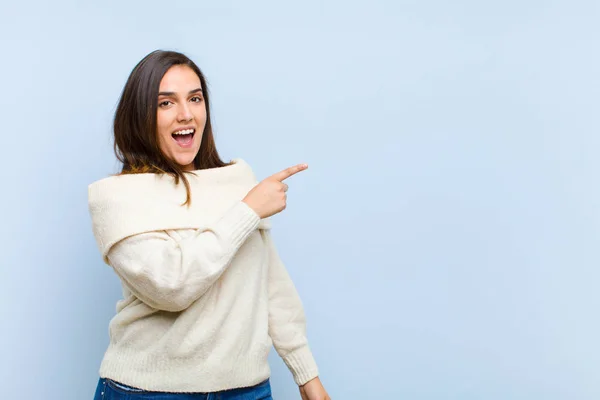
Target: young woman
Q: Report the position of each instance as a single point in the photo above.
(205, 294)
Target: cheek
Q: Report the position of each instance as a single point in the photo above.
(162, 125)
(201, 113)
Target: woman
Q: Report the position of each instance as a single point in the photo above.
(205, 294)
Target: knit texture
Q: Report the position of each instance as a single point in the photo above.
(205, 293)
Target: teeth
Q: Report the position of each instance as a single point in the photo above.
(184, 132)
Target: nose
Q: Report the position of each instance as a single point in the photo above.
(184, 113)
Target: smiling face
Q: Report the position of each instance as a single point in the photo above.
(181, 115)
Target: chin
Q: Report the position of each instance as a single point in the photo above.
(185, 161)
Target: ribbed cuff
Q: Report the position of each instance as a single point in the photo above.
(239, 222)
(302, 365)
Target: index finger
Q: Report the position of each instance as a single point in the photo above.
(286, 173)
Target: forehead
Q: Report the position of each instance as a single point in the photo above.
(179, 78)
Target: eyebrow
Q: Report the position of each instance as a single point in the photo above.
(173, 93)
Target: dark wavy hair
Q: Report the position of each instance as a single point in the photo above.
(135, 122)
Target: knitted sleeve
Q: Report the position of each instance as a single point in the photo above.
(287, 323)
(170, 274)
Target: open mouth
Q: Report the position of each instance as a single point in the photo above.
(184, 137)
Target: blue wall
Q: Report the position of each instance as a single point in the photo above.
(444, 239)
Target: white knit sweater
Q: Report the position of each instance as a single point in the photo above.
(205, 294)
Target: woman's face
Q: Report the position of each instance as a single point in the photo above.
(181, 115)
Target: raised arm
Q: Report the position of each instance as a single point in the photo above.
(169, 273)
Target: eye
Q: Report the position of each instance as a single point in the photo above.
(164, 103)
(197, 99)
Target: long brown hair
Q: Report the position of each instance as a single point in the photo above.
(136, 141)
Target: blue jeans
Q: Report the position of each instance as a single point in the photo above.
(110, 390)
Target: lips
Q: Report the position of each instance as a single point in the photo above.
(184, 137)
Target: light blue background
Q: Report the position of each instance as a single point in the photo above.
(444, 239)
